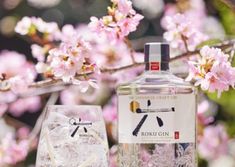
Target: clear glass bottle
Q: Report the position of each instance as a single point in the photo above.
(157, 116)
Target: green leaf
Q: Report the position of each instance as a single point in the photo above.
(209, 42)
(230, 127)
(227, 16)
(226, 101)
(202, 162)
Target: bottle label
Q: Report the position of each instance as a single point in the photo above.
(157, 118)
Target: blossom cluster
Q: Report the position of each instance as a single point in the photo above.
(16, 74)
(33, 25)
(195, 11)
(213, 143)
(120, 21)
(14, 147)
(59, 62)
(73, 56)
(212, 71)
(68, 60)
(15, 71)
(181, 33)
(106, 54)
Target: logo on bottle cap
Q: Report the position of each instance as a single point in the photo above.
(155, 66)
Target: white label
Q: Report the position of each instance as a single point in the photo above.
(157, 118)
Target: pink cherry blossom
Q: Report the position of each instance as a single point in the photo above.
(69, 97)
(67, 33)
(23, 26)
(31, 104)
(195, 11)
(18, 106)
(67, 60)
(106, 53)
(120, 21)
(19, 84)
(30, 26)
(23, 133)
(213, 143)
(113, 156)
(17, 70)
(124, 6)
(12, 151)
(110, 55)
(13, 63)
(7, 97)
(19, 73)
(65, 69)
(205, 112)
(128, 25)
(74, 96)
(38, 52)
(212, 71)
(181, 34)
(96, 24)
(110, 110)
(42, 67)
(84, 85)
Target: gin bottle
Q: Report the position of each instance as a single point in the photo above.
(157, 116)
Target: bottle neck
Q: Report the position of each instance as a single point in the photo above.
(156, 57)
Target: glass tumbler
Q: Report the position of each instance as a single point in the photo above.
(73, 136)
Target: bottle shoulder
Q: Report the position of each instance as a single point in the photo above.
(162, 82)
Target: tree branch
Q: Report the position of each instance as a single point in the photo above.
(229, 4)
(190, 53)
(113, 70)
(52, 85)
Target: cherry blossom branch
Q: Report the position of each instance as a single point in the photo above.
(14, 122)
(184, 39)
(113, 70)
(35, 38)
(53, 85)
(42, 42)
(190, 53)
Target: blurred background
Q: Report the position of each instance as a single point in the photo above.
(218, 23)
